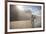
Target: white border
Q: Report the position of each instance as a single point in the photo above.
(28, 29)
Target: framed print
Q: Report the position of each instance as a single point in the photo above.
(24, 17)
(20, 0)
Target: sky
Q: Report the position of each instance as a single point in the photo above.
(36, 10)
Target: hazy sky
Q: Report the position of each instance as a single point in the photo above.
(36, 10)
